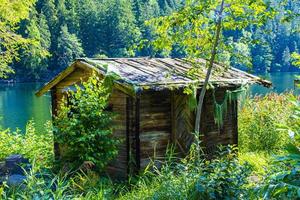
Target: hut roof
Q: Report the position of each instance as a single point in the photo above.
(159, 73)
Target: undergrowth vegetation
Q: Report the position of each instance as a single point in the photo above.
(268, 171)
(220, 178)
(33, 145)
(284, 181)
(259, 122)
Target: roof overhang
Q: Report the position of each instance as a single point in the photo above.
(126, 88)
(131, 89)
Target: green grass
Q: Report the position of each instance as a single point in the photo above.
(259, 123)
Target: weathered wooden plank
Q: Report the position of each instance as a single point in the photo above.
(155, 125)
(214, 135)
(137, 133)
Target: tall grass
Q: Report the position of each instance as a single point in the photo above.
(259, 123)
(43, 184)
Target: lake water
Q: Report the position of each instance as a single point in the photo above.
(282, 82)
(18, 103)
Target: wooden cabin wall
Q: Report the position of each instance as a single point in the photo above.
(54, 110)
(118, 102)
(211, 135)
(214, 135)
(132, 135)
(155, 126)
(75, 77)
(166, 117)
(183, 122)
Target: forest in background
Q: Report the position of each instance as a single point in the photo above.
(62, 30)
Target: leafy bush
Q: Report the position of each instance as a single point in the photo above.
(259, 162)
(259, 120)
(223, 178)
(33, 145)
(39, 185)
(84, 127)
(284, 183)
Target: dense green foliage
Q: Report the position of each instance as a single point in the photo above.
(222, 177)
(11, 13)
(277, 39)
(83, 126)
(62, 30)
(296, 59)
(285, 182)
(37, 146)
(259, 123)
(188, 179)
(193, 28)
(259, 162)
(258, 34)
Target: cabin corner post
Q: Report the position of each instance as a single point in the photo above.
(173, 119)
(137, 134)
(129, 108)
(54, 107)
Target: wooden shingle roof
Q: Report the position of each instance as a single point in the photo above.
(162, 73)
(165, 71)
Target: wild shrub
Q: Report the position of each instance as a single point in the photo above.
(223, 178)
(284, 182)
(259, 120)
(84, 126)
(33, 145)
(259, 162)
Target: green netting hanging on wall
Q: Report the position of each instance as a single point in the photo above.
(230, 98)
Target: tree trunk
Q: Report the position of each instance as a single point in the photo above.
(209, 70)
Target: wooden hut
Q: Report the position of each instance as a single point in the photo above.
(153, 110)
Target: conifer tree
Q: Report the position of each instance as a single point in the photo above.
(119, 28)
(68, 47)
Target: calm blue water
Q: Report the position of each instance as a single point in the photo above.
(18, 104)
(282, 82)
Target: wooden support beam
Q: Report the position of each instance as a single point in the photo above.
(173, 119)
(128, 146)
(137, 134)
(54, 106)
